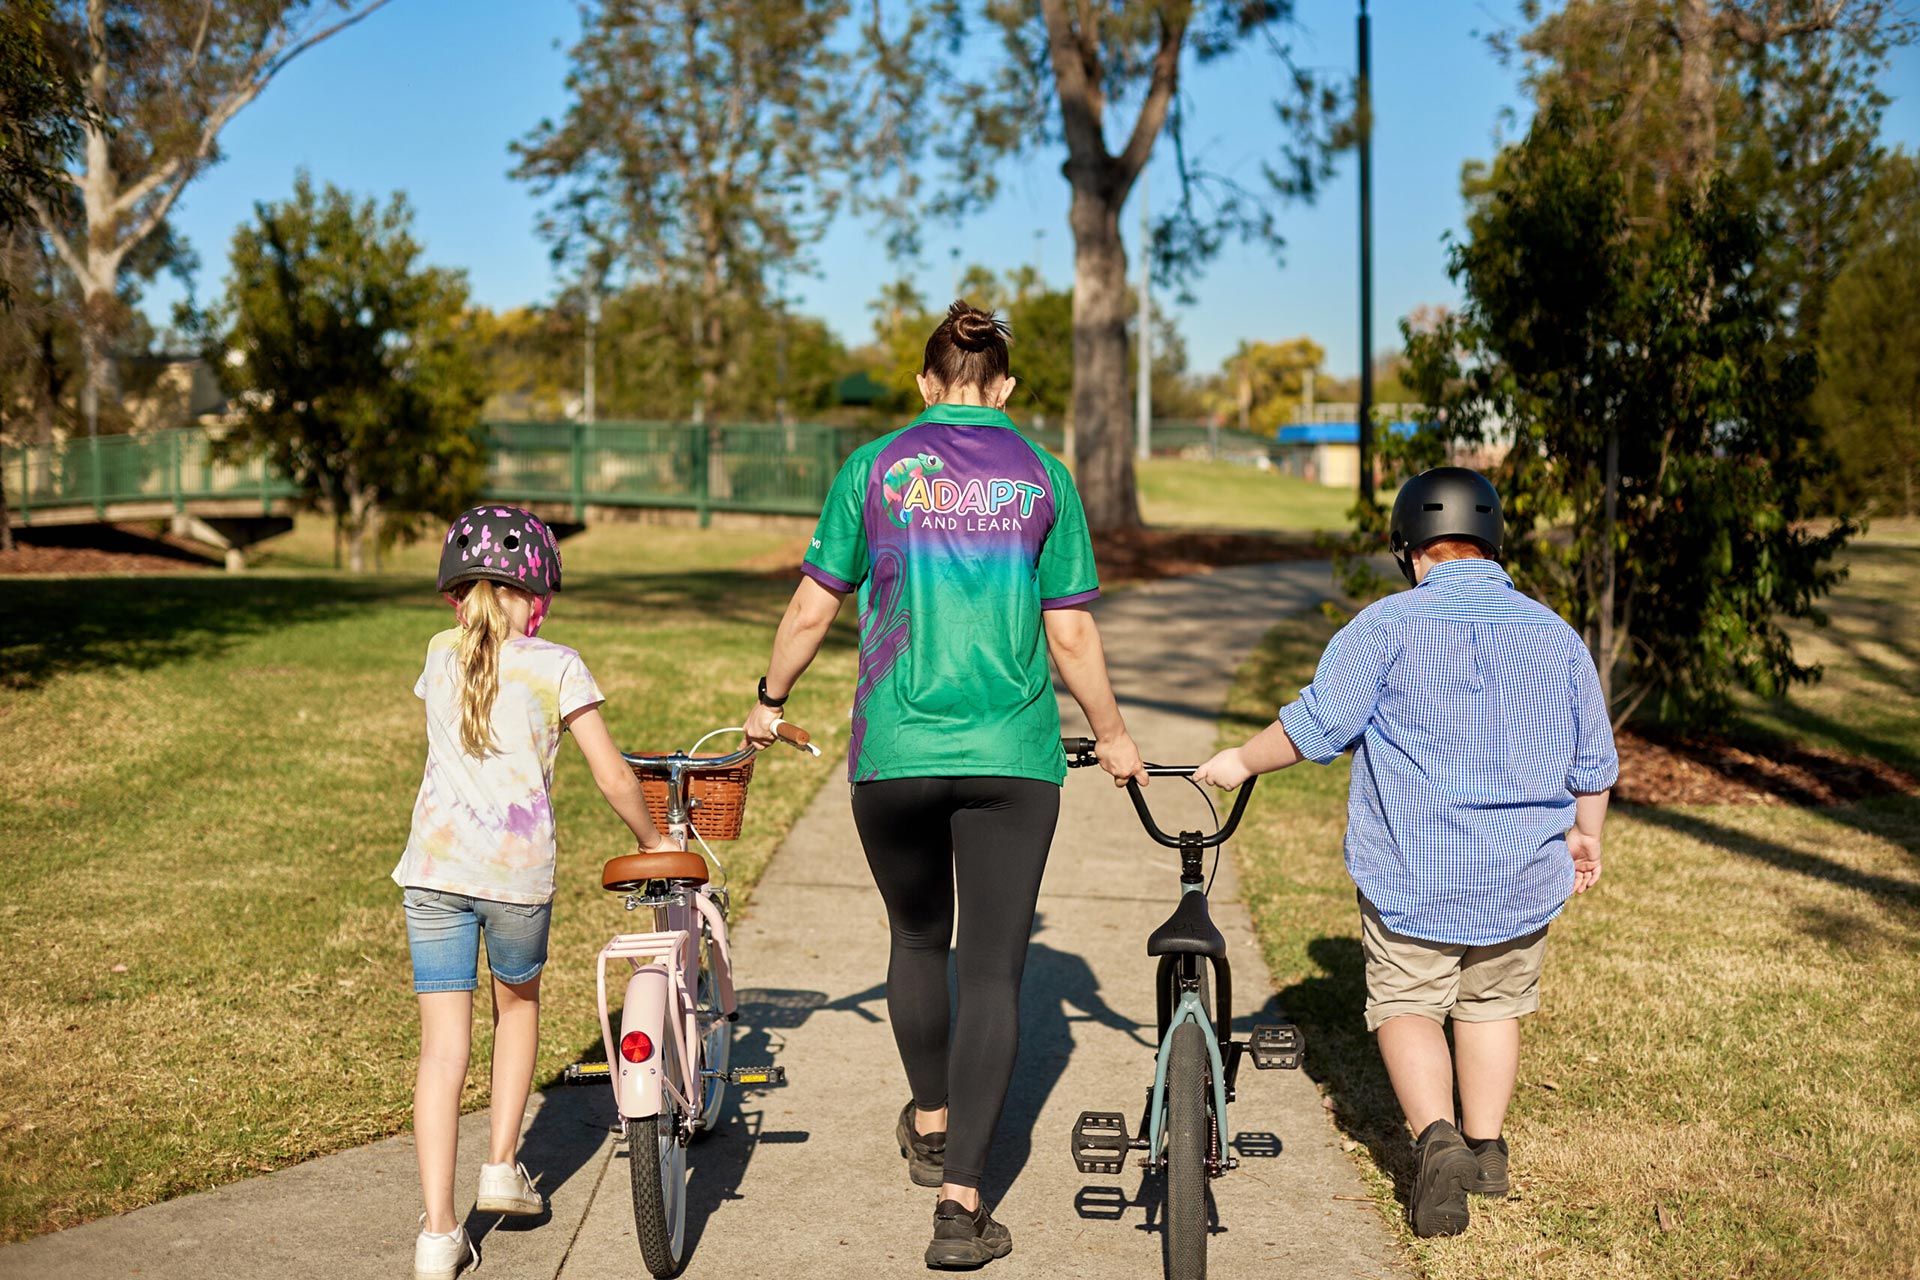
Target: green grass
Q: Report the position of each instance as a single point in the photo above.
(1174, 491)
(208, 780)
(1726, 1034)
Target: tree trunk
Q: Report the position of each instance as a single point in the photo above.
(1103, 451)
(1604, 649)
(1693, 25)
(6, 513)
(360, 509)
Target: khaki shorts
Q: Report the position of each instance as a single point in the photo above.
(1439, 980)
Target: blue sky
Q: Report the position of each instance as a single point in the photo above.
(425, 97)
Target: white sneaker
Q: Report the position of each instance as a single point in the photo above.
(441, 1257)
(507, 1188)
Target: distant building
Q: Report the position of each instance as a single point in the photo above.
(1327, 450)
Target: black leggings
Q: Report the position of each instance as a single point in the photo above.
(989, 838)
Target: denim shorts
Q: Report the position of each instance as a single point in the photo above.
(443, 932)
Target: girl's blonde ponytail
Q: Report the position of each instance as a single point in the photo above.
(484, 627)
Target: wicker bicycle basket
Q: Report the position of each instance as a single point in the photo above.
(718, 799)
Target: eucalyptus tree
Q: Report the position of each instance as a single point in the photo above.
(160, 79)
(706, 147)
(1103, 79)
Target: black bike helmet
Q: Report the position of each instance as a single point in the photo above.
(1444, 502)
(502, 544)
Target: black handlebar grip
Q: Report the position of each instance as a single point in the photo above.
(1079, 751)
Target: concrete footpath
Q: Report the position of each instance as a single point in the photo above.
(806, 1180)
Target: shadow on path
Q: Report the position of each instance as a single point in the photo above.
(1059, 989)
(1343, 1059)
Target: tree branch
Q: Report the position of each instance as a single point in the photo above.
(1079, 104)
(61, 246)
(1153, 111)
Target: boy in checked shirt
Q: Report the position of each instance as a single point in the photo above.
(1483, 756)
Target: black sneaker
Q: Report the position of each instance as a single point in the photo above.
(926, 1153)
(1492, 1155)
(966, 1238)
(1446, 1170)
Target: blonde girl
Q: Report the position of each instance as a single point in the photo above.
(480, 857)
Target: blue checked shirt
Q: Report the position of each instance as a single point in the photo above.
(1475, 716)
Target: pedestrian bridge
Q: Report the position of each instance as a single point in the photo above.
(569, 473)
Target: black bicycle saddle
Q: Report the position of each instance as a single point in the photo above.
(1189, 930)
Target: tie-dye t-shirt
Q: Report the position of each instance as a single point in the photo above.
(958, 532)
(484, 827)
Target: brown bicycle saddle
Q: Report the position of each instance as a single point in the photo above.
(630, 871)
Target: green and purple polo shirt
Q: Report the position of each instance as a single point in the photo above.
(958, 532)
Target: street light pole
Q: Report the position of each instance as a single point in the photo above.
(587, 390)
(1363, 106)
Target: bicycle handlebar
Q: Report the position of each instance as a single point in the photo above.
(791, 734)
(1080, 754)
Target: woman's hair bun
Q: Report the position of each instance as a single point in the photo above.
(974, 329)
(968, 349)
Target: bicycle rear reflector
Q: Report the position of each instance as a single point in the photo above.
(636, 1046)
(1100, 1142)
(1277, 1047)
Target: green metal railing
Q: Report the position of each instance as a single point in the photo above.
(772, 469)
(174, 466)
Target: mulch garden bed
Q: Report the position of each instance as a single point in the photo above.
(1142, 555)
(1714, 771)
(124, 548)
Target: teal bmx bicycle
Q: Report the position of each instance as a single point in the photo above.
(1183, 1133)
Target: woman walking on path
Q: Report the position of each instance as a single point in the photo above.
(969, 550)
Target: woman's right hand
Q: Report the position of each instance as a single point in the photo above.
(1121, 759)
(760, 724)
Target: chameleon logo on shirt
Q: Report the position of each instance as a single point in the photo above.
(901, 476)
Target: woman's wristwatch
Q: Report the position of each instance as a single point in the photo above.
(768, 700)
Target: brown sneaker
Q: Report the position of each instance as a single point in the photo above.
(926, 1153)
(1492, 1155)
(1446, 1169)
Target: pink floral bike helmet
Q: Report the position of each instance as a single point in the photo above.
(501, 544)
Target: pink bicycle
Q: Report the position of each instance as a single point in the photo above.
(670, 1064)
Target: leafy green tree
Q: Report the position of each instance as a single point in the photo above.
(1779, 98)
(1588, 348)
(706, 147)
(1869, 398)
(161, 79)
(1065, 70)
(352, 363)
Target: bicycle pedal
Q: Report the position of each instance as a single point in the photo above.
(585, 1073)
(757, 1077)
(1277, 1047)
(1100, 1142)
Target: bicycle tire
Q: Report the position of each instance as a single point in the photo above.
(717, 1046)
(657, 1165)
(1186, 1220)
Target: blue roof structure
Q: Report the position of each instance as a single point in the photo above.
(1333, 432)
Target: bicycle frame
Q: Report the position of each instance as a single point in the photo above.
(1188, 1009)
(659, 999)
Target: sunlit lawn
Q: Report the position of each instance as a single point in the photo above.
(1175, 491)
(207, 781)
(1726, 1039)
